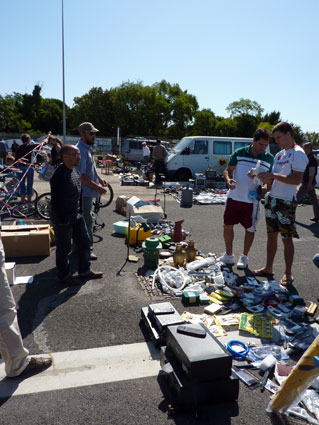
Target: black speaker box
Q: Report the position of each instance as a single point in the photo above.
(191, 394)
(202, 359)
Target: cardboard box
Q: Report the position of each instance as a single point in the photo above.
(153, 213)
(26, 240)
(120, 204)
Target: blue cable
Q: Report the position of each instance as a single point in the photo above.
(235, 353)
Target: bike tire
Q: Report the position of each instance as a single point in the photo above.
(106, 199)
(43, 206)
(23, 210)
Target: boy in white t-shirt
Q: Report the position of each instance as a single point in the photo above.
(280, 204)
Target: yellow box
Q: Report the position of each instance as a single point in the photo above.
(137, 233)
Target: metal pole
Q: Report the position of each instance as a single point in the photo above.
(119, 140)
(63, 82)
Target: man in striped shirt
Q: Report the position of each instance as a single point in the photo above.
(241, 206)
(67, 221)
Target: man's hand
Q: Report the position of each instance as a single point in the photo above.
(250, 174)
(102, 182)
(231, 183)
(266, 177)
(101, 190)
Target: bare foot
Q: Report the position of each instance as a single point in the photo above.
(263, 273)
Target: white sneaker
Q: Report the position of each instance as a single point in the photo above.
(226, 259)
(242, 262)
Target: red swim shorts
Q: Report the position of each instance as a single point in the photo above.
(238, 212)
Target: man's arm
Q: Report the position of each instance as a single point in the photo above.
(312, 172)
(294, 178)
(90, 183)
(228, 175)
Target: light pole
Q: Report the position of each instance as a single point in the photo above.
(63, 82)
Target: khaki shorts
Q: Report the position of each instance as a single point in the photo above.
(280, 217)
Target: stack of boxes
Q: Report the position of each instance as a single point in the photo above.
(200, 368)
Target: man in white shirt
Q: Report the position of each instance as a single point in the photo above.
(280, 204)
(146, 153)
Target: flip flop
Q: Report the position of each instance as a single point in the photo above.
(287, 282)
(261, 273)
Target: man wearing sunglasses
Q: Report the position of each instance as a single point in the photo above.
(92, 184)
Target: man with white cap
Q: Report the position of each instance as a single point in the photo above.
(93, 185)
(146, 153)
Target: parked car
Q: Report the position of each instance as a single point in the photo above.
(132, 149)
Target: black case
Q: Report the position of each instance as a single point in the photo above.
(162, 321)
(202, 359)
(191, 394)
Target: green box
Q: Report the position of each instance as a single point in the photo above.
(165, 239)
(190, 297)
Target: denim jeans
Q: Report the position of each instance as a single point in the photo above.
(87, 203)
(26, 178)
(76, 230)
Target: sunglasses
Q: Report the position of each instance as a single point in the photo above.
(92, 133)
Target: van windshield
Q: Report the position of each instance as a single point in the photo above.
(182, 145)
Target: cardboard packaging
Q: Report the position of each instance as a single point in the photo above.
(153, 213)
(120, 204)
(26, 240)
(202, 359)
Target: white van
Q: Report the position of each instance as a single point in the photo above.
(197, 154)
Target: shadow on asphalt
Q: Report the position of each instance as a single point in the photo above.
(41, 297)
(313, 227)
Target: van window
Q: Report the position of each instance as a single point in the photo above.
(199, 147)
(222, 148)
(241, 144)
(135, 145)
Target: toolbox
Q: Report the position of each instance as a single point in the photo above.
(187, 393)
(202, 358)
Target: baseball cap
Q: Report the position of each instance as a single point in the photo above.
(87, 126)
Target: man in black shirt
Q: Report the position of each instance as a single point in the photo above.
(68, 223)
(309, 181)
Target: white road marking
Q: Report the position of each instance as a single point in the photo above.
(80, 368)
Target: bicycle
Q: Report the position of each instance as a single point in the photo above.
(8, 200)
(43, 204)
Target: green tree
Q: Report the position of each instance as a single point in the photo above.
(204, 123)
(312, 137)
(244, 107)
(272, 118)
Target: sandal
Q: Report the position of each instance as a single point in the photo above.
(262, 273)
(287, 281)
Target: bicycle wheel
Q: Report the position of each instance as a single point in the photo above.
(23, 210)
(43, 205)
(106, 199)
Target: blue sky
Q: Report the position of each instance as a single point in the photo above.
(219, 51)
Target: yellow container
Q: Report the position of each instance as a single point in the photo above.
(139, 233)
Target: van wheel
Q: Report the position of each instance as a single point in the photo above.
(183, 175)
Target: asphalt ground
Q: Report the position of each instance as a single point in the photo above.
(106, 312)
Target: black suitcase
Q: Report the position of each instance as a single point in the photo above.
(164, 315)
(193, 395)
(202, 359)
